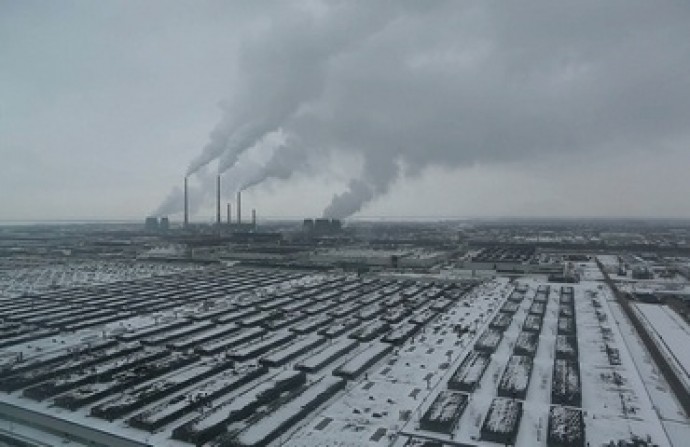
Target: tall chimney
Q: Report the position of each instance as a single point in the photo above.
(218, 200)
(239, 207)
(229, 214)
(186, 204)
(254, 218)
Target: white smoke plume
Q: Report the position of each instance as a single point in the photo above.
(199, 191)
(350, 201)
(282, 70)
(285, 162)
(239, 174)
(455, 83)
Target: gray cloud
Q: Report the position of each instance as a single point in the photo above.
(283, 164)
(199, 193)
(282, 67)
(113, 100)
(464, 82)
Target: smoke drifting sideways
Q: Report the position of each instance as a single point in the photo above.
(282, 70)
(199, 193)
(276, 160)
(451, 84)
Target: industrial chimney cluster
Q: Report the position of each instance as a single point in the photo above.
(154, 224)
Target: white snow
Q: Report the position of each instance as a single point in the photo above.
(672, 335)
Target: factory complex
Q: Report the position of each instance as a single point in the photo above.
(322, 333)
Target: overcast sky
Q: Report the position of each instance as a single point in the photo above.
(371, 108)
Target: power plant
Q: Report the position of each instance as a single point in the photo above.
(156, 224)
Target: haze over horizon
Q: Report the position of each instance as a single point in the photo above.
(345, 108)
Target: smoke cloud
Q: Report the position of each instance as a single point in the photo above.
(282, 69)
(350, 201)
(199, 193)
(285, 162)
(452, 84)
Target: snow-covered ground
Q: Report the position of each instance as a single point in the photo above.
(390, 381)
(674, 420)
(671, 334)
(672, 287)
(15, 282)
(379, 405)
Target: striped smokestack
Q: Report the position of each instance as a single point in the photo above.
(239, 207)
(229, 214)
(218, 200)
(186, 204)
(254, 217)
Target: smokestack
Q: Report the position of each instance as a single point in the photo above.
(186, 204)
(239, 207)
(254, 218)
(229, 214)
(218, 200)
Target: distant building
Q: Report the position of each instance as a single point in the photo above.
(564, 277)
(648, 297)
(322, 226)
(151, 224)
(368, 257)
(164, 224)
(308, 225)
(640, 272)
